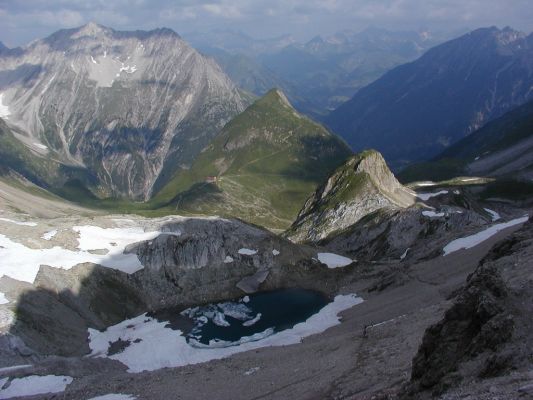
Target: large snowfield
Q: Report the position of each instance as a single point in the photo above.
(22, 263)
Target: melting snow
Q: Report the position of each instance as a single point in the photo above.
(432, 214)
(334, 260)
(473, 240)
(247, 252)
(405, 253)
(4, 109)
(49, 235)
(18, 222)
(22, 263)
(494, 215)
(93, 60)
(228, 260)
(252, 371)
(40, 146)
(128, 69)
(427, 196)
(35, 384)
(3, 299)
(275, 252)
(162, 347)
(113, 396)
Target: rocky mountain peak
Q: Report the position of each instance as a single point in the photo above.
(144, 104)
(362, 185)
(275, 96)
(91, 29)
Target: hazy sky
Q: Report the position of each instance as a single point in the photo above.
(24, 20)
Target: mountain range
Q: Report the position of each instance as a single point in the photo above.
(418, 109)
(124, 109)
(317, 75)
(157, 219)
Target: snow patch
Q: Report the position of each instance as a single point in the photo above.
(432, 214)
(473, 240)
(162, 347)
(494, 215)
(93, 60)
(22, 263)
(252, 371)
(405, 253)
(275, 252)
(114, 396)
(40, 146)
(35, 384)
(228, 260)
(334, 260)
(3, 299)
(18, 222)
(427, 196)
(247, 252)
(49, 235)
(4, 109)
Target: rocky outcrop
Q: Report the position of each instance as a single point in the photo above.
(361, 186)
(486, 332)
(403, 234)
(128, 108)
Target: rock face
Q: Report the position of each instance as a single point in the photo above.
(128, 108)
(416, 110)
(486, 332)
(361, 186)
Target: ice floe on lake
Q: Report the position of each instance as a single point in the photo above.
(159, 346)
(334, 260)
(35, 384)
(473, 240)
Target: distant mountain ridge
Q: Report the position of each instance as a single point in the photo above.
(317, 75)
(418, 109)
(125, 108)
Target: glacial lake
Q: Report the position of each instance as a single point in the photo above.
(249, 318)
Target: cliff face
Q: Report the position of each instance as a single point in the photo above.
(486, 332)
(361, 186)
(127, 107)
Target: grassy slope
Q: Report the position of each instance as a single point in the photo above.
(267, 160)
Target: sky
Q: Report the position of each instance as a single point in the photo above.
(22, 21)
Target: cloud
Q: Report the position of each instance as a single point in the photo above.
(23, 21)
